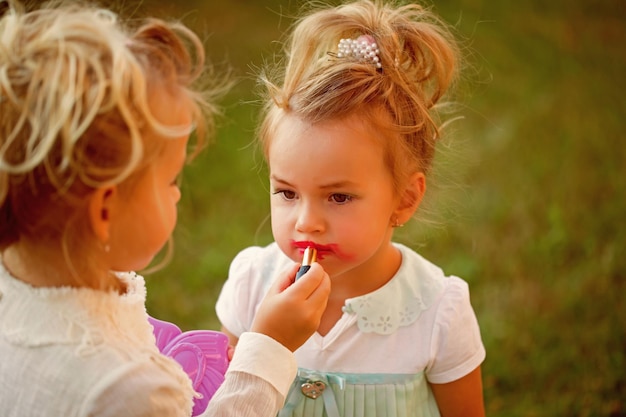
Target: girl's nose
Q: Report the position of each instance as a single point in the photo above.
(310, 219)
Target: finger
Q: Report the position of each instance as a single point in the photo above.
(321, 292)
(309, 282)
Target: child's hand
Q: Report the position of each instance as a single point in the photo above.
(291, 311)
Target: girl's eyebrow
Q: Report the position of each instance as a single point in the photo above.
(280, 180)
(339, 184)
(332, 185)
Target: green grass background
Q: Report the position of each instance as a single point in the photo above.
(526, 202)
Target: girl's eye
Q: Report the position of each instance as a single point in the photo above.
(341, 198)
(287, 194)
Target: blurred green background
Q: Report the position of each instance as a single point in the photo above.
(526, 202)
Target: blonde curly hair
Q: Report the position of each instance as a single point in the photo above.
(75, 88)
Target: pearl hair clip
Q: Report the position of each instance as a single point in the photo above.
(364, 47)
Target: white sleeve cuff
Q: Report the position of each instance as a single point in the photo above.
(264, 357)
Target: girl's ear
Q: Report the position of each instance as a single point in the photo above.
(410, 199)
(100, 212)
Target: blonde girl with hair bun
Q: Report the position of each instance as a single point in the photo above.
(95, 120)
(349, 132)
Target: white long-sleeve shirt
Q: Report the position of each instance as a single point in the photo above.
(80, 352)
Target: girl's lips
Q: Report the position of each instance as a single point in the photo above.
(322, 250)
(303, 244)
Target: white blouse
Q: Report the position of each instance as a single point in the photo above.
(81, 352)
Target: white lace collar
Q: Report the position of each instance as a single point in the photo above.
(62, 315)
(400, 301)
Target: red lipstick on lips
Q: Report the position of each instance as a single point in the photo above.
(322, 250)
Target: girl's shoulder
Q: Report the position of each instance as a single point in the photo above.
(420, 276)
(81, 317)
(257, 254)
(250, 275)
(258, 263)
(417, 289)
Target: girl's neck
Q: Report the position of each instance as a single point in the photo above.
(367, 277)
(46, 266)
